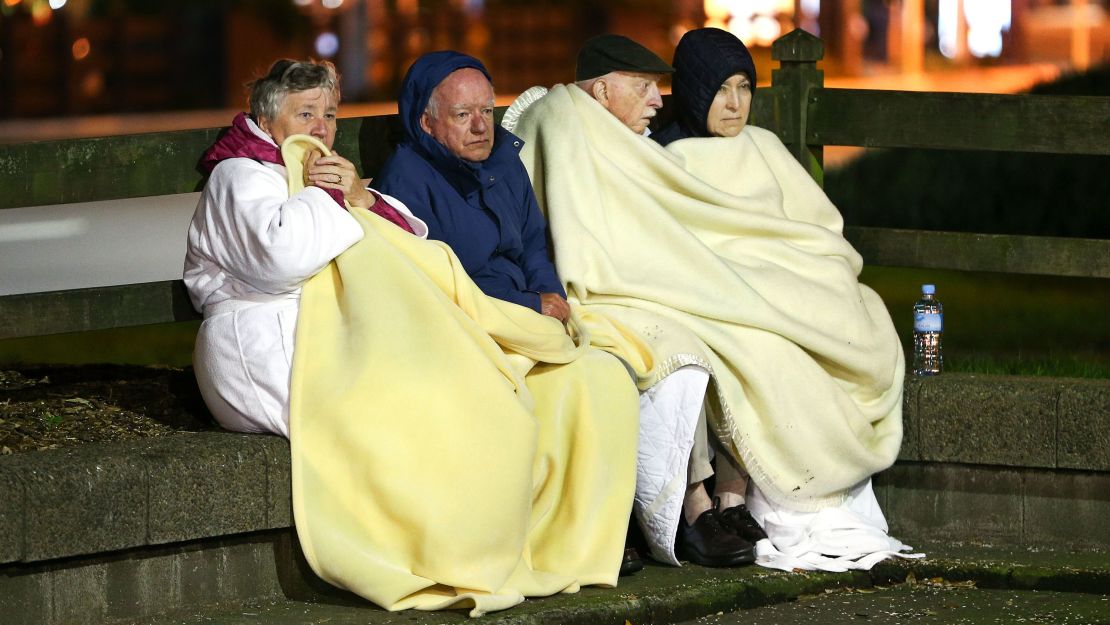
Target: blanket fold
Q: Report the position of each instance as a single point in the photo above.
(449, 449)
(724, 253)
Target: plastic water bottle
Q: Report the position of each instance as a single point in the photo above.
(928, 326)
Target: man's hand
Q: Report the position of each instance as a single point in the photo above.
(336, 172)
(553, 305)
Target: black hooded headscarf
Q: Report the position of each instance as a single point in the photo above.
(703, 61)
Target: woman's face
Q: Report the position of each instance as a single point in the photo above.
(729, 111)
(310, 112)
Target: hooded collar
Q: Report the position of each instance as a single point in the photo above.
(416, 90)
(244, 139)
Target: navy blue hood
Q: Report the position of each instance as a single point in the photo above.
(421, 79)
(486, 211)
(703, 61)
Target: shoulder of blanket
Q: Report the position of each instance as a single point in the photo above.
(520, 105)
(764, 138)
(543, 110)
(772, 148)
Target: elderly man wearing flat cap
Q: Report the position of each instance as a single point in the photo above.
(622, 77)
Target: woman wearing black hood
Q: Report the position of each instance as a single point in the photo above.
(713, 82)
(712, 89)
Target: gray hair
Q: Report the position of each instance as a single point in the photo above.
(432, 108)
(287, 76)
(588, 84)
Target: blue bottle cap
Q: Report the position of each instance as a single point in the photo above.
(928, 289)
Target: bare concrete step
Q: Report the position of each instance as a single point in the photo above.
(1004, 504)
(104, 532)
(697, 594)
(1032, 422)
(1041, 443)
(925, 603)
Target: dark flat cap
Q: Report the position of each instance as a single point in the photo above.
(615, 53)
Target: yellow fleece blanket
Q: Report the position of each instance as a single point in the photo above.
(450, 449)
(724, 253)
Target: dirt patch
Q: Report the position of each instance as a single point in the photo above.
(49, 408)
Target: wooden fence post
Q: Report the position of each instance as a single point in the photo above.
(797, 53)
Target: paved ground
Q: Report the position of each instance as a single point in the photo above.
(955, 584)
(926, 604)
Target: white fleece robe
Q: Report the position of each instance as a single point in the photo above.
(250, 248)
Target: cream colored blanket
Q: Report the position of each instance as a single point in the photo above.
(724, 253)
(450, 449)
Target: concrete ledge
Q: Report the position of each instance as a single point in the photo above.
(106, 497)
(147, 581)
(266, 584)
(1002, 504)
(100, 498)
(1008, 420)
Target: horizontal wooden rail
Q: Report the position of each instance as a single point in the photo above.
(55, 312)
(1054, 256)
(100, 308)
(142, 165)
(107, 168)
(165, 163)
(959, 121)
(102, 168)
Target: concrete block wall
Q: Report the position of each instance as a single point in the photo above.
(106, 497)
(1051, 423)
(1016, 460)
(105, 532)
(144, 582)
(996, 504)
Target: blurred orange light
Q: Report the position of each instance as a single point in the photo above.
(41, 13)
(81, 48)
(92, 85)
(12, 3)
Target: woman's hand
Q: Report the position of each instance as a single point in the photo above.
(309, 160)
(336, 172)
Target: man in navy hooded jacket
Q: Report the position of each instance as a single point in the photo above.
(460, 172)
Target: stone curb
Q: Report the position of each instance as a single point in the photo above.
(105, 497)
(668, 595)
(1050, 423)
(111, 496)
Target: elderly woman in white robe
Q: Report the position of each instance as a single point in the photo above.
(252, 245)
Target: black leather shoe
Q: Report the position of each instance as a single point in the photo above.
(740, 521)
(631, 562)
(709, 543)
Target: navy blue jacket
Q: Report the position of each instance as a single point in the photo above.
(487, 211)
(703, 60)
